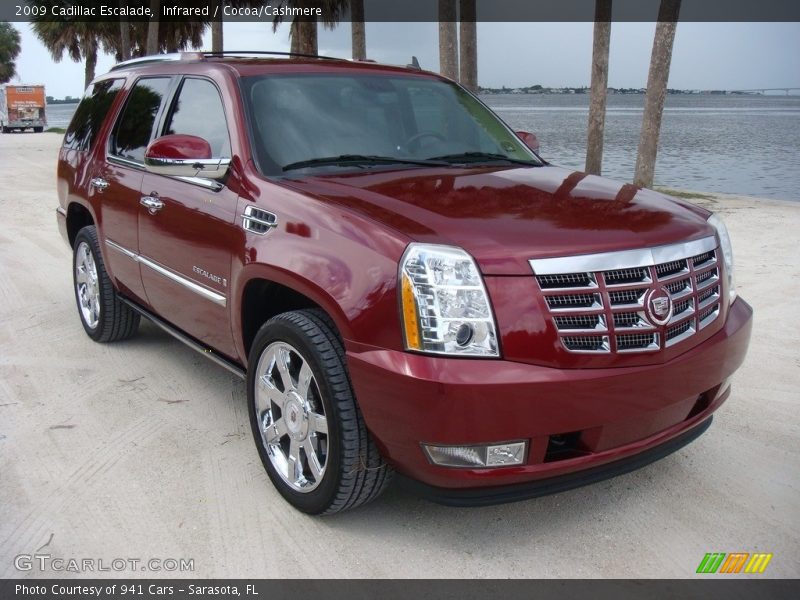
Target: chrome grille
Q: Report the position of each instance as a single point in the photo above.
(605, 307)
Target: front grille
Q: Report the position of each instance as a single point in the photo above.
(573, 301)
(567, 280)
(604, 311)
(636, 342)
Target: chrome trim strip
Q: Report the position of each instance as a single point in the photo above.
(61, 211)
(125, 162)
(122, 250)
(202, 182)
(623, 259)
(171, 275)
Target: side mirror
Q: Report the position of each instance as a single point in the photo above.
(529, 139)
(184, 156)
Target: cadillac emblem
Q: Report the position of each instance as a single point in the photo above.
(658, 306)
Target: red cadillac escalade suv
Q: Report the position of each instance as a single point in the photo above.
(405, 285)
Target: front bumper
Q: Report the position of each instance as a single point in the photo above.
(605, 415)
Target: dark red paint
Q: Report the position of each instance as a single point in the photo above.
(338, 243)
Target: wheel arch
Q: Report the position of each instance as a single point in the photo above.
(265, 292)
(78, 217)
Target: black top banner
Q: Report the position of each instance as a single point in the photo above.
(392, 10)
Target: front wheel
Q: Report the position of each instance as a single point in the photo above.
(307, 425)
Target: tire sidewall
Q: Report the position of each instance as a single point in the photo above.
(86, 235)
(319, 499)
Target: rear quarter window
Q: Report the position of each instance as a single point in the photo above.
(90, 114)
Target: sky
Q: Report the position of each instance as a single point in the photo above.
(706, 55)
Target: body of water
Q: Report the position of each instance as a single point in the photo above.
(734, 144)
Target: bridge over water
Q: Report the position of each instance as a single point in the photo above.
(786, 90)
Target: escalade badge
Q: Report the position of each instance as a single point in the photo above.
(658, 306)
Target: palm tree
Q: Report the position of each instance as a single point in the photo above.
(468, 45)
(9, 50)
(303, 31)
(448, 44)
(78, 40)
(152, 28)
(359, 34)
(599, 94)
(660, 60)
(216, 31)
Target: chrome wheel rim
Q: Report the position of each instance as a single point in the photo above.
(87, 286)
(291, 417)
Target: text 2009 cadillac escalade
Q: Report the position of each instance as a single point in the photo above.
(404, 284)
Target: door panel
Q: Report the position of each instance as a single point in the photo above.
(186, 245)
(118, 182)
(120, 217)
(192, 237)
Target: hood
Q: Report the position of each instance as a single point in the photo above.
(504, 217)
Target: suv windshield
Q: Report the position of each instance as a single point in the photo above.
(346, 121)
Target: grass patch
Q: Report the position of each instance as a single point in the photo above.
(685, 195)
(55, 130)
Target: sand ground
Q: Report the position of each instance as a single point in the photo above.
(142, 449)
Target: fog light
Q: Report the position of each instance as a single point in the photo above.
(495, 455)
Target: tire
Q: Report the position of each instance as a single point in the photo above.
(104, 317)
(347, 469)
(38, 129)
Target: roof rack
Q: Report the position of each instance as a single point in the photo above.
(177, 56)
(269, 53)
(154, 58)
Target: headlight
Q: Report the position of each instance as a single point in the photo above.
(444, 305)
(727, 253)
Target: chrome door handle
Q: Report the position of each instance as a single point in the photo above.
(152, 203)
(99, 183)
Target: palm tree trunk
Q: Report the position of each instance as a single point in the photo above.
(152, 28)
(358, 29)
(657, 80)
(216, 32)
(468, 45)
(448, 42)
(599, 94)
(91, 62)
(304, 35)
(124, 40)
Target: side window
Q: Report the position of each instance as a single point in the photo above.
(134, 129)
(198, 111)
(90, 114)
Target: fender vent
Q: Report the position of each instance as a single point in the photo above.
(257, 220)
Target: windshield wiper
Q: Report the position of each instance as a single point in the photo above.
(465, 157)
(361, 159)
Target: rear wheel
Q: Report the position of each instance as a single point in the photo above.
(307, 425)
(104, 316)
(38, 129)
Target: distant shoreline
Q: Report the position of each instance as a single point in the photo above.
(537, 90)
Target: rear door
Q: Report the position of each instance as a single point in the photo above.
(186, 245)
(118, 180)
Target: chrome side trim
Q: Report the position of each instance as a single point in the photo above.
(61, 211)
(623, 259)
(171, 275)
(125, 162)
(122, 250)
(212, 185)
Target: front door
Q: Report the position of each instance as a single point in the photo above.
(186, 243)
